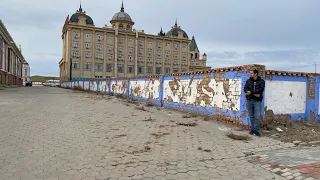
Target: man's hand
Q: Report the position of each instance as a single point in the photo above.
(257, 95)
(248, 93)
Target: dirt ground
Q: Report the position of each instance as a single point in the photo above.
(306, 132)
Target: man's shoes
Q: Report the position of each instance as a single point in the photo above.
(257, 133)
(251, 132)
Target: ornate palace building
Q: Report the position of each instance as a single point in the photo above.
(118, 50)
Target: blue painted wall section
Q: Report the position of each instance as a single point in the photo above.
(317, 98)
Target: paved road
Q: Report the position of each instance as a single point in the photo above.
(52, 133)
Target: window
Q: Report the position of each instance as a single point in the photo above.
(130, 40)
(159, 44)
(150, 41)
(167, 52)
(120, 68)
(175, 61)
(110, 47)
(130, 49)
(158, 70)
(183, 70)
(140, 41)
(87, 54)
(184, 54)
(86, 44)
(110, 37)
(99, 55)
(176, 45)
(149, 59)
(175, 69)
(120, 49)
(140, 70)
(99, 46)
(140, 59)
(110, 56)
(98, 67)
(75, 43)
(149, 51)
(128, 27)
(121, 39)
(167, 44)
(76, 65)
(109, 68)
(167, 70)
(76, 34)
(86, 66)
(184, 45)
(130, 58)
(75, 53)
(87, 35)
(130, 68)
(99, 36)
(149, 70)
(158, 60)
(159, 51)
(176, 53)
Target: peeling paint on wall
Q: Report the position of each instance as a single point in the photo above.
(119, 86)
(86, 85)
(103, 86)
(149, 89)
(93, 86)
(284, 97)
(215, 92)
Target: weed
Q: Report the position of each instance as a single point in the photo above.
(242, 137)
(187, 124)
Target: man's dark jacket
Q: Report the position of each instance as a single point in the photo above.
(256, 87)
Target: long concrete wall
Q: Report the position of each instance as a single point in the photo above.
(219, 93)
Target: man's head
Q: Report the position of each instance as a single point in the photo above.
(254, 73)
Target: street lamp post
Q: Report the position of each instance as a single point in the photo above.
(70, 69)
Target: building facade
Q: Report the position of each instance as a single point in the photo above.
(25, 72)
(118, 50)
(11, 59)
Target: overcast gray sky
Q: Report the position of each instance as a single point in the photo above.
(282, 34)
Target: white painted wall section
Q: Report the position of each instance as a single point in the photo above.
(103, 87)
(219, 97)
(147, 88)
(86, 85)
(283, 97)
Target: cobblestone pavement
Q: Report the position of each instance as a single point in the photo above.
(56, 134)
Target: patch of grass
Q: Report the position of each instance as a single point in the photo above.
(149, 104)
(149, 119)
(141, 108)
(158, 108)
(188, 124)
(77, 88)
(207, 118)
(239, 137)
(119, 136)
(159, 135)
(145, 149)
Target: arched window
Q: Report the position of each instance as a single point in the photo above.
(121, 26)
(191, 55)
(128, 27)
(196, 55)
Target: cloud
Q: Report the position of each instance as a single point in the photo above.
(280, 34)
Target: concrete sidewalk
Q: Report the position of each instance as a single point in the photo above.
(52, 133)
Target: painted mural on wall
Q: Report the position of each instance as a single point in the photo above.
(103, 86)
(204, 90)
(149, 89)
(285, 97)
(119, 86)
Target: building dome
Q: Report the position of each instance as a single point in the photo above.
(80, 13)
(174, 31)
(121, 16)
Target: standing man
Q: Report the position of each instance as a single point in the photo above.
(254, 88)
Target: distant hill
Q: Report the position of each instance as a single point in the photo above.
(42, 78)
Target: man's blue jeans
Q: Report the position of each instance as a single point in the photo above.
(254, 110)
